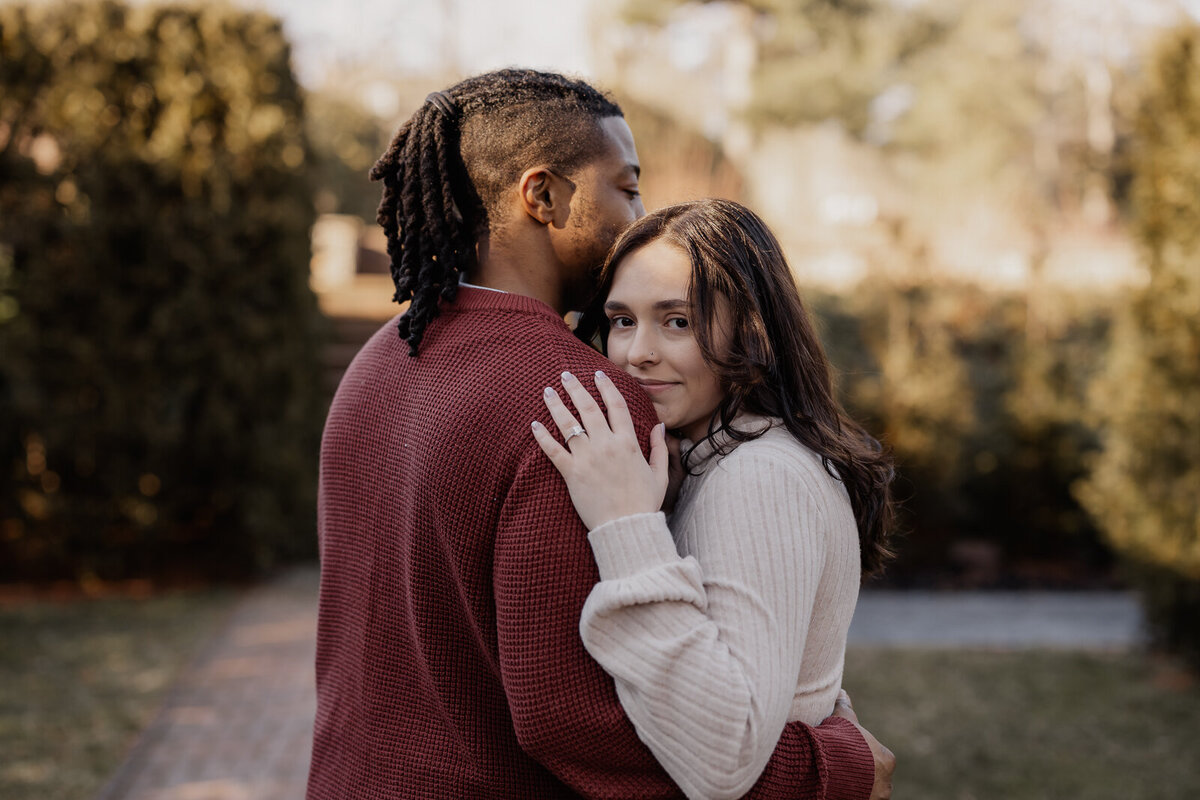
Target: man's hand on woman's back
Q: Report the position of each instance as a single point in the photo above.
(885, 760)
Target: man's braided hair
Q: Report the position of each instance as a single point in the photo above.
(450, 164)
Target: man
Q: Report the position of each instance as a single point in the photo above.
(454, 568)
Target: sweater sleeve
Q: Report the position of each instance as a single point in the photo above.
(706, 650)
(564, 708)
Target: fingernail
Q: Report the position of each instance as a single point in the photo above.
(548, 392)
(535, 425)
(600, 374)
(566, 376)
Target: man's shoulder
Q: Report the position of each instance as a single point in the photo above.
(536, 351)
(502, 360)
(548, 354)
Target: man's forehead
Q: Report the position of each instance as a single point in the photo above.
(621, 141)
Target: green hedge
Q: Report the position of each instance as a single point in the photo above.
(981, 396)
(160, 398)
(1144, 489)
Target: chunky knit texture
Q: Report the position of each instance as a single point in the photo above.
(733, 621)
(454, 570)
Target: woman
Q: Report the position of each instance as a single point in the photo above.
(724, 625)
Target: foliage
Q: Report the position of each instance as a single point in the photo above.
(979, 395)
(823, 59)
(819, 59)
(346, 139)
(1010, 114)
(879, 69)
(159, 388)
(1143, 487)
(677, 164)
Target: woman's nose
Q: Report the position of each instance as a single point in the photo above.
(642, 349)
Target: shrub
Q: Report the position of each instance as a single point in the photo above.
(979, 393)
(1144, 488)
(159, 386)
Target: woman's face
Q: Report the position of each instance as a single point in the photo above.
(651, 337)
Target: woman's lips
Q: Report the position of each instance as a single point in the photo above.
(656, 387)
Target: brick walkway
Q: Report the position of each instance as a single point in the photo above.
(238, 725)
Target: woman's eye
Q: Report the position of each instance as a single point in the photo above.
(620, 322)
(633, 193)
(678, 323)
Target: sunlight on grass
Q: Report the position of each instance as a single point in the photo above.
(80, 679)
(970, 725)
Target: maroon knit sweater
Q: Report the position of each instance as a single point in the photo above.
(453, 572)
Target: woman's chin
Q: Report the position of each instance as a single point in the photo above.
(664, 415)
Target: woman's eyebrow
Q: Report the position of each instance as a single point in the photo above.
(661, 305)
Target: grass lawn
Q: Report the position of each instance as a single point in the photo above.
(80, 679)
(1028, 725)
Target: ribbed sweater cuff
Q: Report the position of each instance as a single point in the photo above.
(849, 765)
(632, 544)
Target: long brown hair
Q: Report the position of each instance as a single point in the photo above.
(774, 364)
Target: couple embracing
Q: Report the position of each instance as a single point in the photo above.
(548, 573)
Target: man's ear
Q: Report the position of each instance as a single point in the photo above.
(546, 196)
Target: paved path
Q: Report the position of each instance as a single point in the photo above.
(238, 724)
(1009, 620)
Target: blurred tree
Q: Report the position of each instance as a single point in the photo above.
(827, 59)
(346, 139)
(880, 69)
(959, 109)
(818, 59)
(678, 164)
(1144, 490)
(160, 399)
(1043, 408)
(987, 440)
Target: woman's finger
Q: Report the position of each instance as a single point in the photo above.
(562, 415)
(659, 456)
(618, 410)
(559, 456)
(589, 410)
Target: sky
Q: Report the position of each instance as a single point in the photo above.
(460, 36)
(469, 36)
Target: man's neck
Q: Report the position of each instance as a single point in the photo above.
(524, 270)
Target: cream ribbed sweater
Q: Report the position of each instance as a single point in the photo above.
(732, 622)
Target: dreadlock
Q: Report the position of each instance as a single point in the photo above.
(450, 164)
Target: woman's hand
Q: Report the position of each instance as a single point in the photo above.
(602, 464)
(675, 474)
